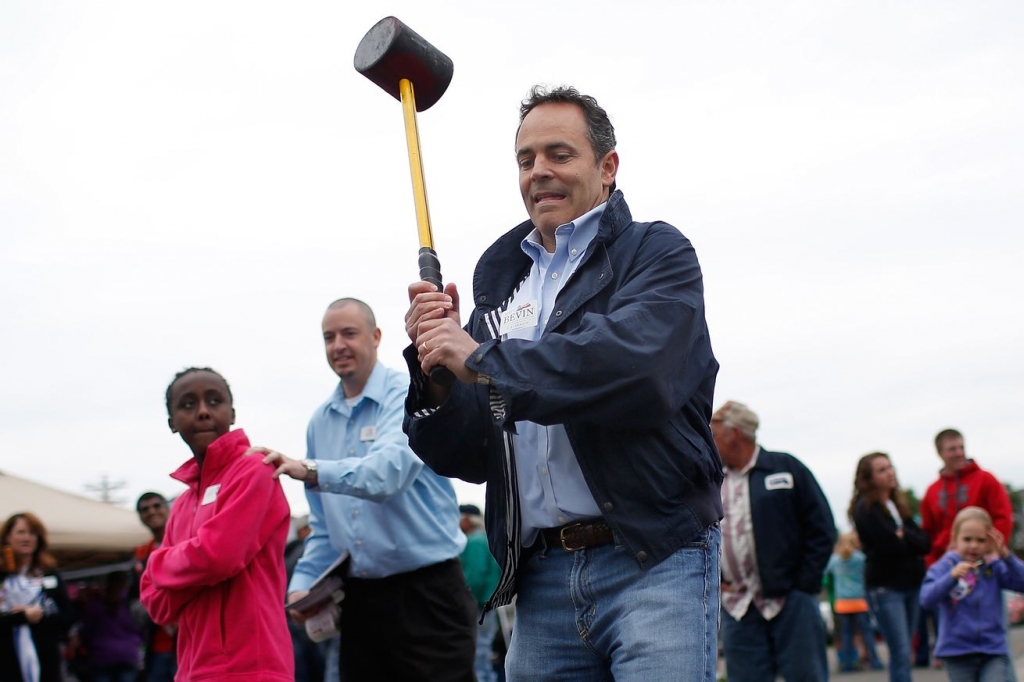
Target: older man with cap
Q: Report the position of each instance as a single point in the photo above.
(482, 573)
(777, 537)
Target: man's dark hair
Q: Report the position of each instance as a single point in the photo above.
(600, 131)
(149, 496)
(470, 509)
(193, 370)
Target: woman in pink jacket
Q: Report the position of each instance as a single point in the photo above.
(219, 574)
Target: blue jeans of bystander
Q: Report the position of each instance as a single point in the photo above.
(896, 613)
(978, 668)
(485, 632)
(594, 614)
(791, 645)
(161, 667)
(331, 649)
(850, 622)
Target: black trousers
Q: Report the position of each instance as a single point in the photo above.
(411, 627)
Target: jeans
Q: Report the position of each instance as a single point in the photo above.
(595, 614)
(309, 655)
(896, 613)
(792, 644)
(922, 650)
(978, 668)
(485, 633)
(848, 652)
(331, 650)
(161, 667)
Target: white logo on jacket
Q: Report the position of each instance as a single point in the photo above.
(779, 481)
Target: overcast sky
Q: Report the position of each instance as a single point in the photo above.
(191, 183)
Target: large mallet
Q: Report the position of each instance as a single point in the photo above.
(416, 73)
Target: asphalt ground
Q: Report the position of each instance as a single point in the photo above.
(923, 674)
(918, 674)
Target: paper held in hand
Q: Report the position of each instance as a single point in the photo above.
(322, 601)
(324, 624)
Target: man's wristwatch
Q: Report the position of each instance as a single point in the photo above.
(311, 476)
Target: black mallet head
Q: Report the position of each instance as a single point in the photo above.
(391, 51)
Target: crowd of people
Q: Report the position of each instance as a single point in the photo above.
(630, 523)
(779, 541)
(777, 544)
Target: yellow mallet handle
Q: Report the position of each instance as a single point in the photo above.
(430, 267)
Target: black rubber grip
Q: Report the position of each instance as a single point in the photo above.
(430, 271)
(430, 267)
(442, 376)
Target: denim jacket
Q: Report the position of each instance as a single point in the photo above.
(625, 364)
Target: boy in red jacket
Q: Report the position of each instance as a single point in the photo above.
(219, 573)
(962, 483)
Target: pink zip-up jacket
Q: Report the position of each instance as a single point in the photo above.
(219, 574)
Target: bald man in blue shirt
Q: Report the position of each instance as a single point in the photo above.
(371, 496)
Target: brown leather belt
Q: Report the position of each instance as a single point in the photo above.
(580, 535)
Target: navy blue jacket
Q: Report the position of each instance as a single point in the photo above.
(625, 364)
(794, 531)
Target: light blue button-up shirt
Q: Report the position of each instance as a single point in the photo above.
(552, 489)
(375, 498)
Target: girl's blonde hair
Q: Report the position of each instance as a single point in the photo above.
(970, 514)
(846, 544)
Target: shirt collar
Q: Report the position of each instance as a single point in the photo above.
(573, 237)
(375, 390)
(750, 465)
(218, 454)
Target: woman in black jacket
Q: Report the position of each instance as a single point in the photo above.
(34, 609)
(895, 547)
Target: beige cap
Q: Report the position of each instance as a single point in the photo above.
(738, 415)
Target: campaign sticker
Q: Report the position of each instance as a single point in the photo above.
(522, 316)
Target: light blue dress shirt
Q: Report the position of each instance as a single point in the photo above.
(374, 498)
(552, 489)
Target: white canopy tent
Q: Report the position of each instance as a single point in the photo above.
(74, 523)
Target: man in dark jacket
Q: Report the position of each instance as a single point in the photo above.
(777, 537)
(585, 379)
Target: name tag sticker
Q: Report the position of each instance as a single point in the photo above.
(780, 481)
(368, 433)
(49, 582)
(211, 494)
(523, 315)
